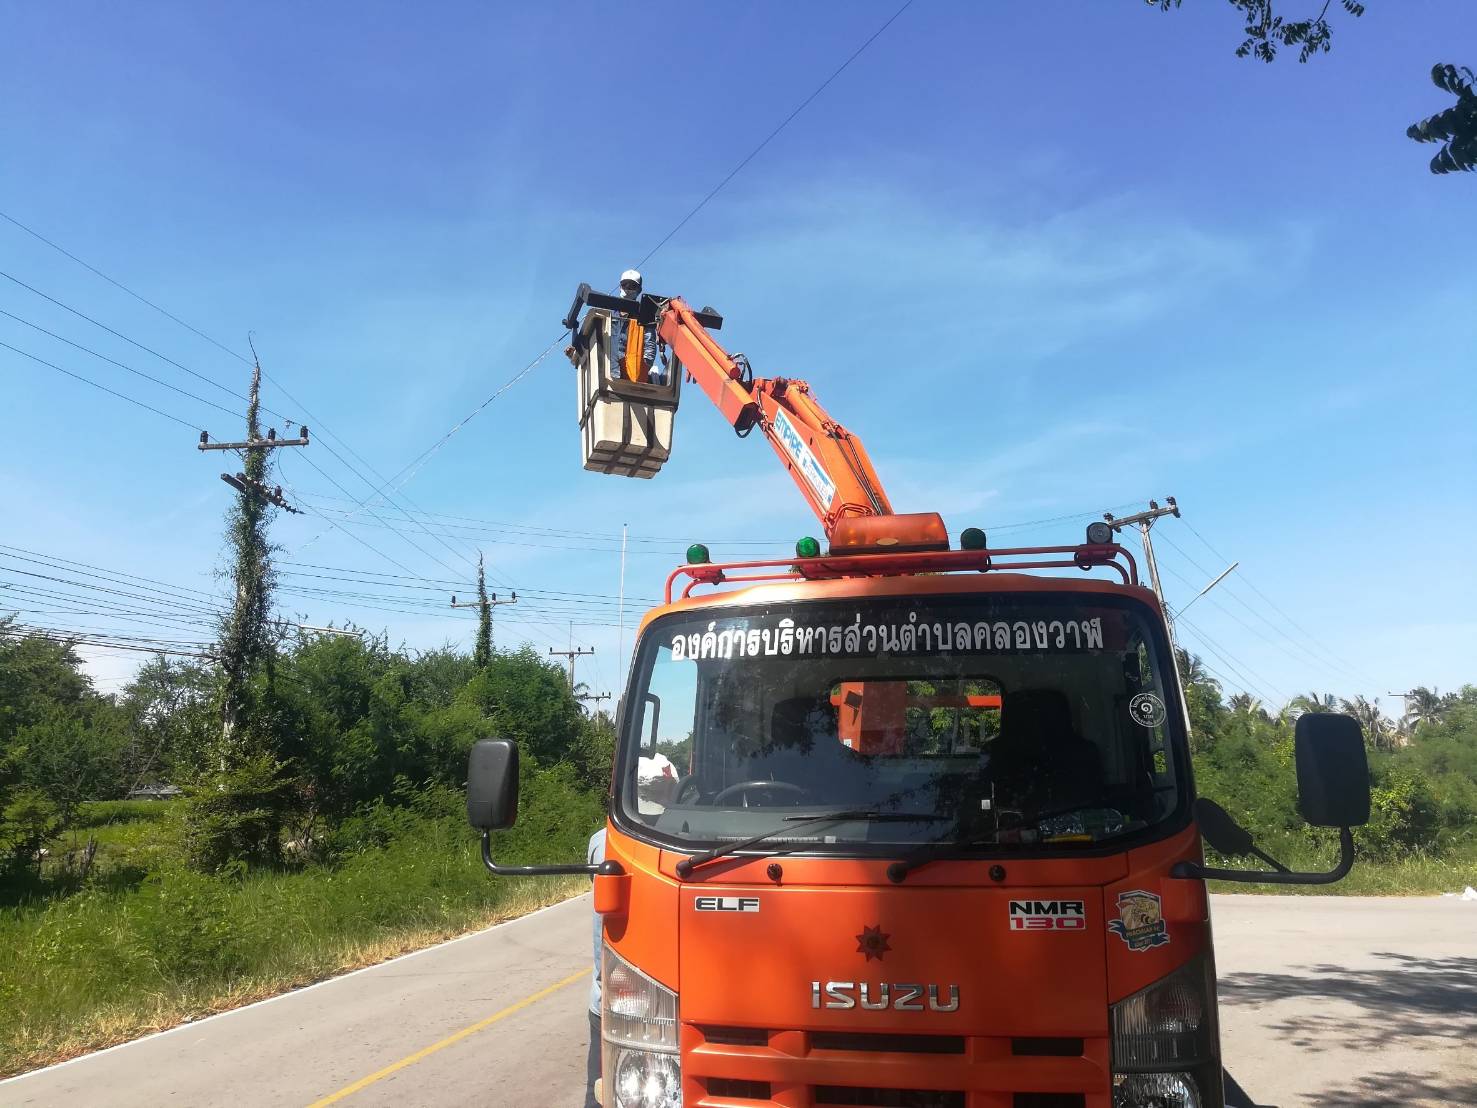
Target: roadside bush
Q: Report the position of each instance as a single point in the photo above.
(186, 925)
(236, 816)
(1403, 816)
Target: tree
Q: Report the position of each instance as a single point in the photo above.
(1202, 699)
(1455, 127)
(168, 705)
(1377, 730)
(1423, 705)
(1244, 704)
(483, 654)
(70, 756)
(1313, 702)
(1266, 30)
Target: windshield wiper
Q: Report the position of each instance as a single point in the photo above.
(932, 852)
(869, 815)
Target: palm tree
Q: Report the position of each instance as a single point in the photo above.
(1193, 671)
(1423, 705)
(1244, 704)
(1313, 702)
(1377, 729)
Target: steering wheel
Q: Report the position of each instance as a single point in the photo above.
(687, 789)
(771, 786)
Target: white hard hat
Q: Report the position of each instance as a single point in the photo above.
(631, 277)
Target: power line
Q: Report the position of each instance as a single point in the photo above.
(752, 154)
(402, 534)
(104, 388)
(240, 357)
(103, 570)
(411, 468)
(60, 636)
(409, 471)
(1313, 639)
(1225, 656)
(116, 284)
(531, 590)
(120, 365)
(1340, 671)
(132, 342)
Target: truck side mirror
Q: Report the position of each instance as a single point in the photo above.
(1333, 771)
(492, 785)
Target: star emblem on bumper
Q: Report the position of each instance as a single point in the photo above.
(873, 942)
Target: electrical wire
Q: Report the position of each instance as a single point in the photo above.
(752, 154)
(1313, 640)
(104, 388)
(120, 365)
(1342, 673)
(120, 335)
(323, 428)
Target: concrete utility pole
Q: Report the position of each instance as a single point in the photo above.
(493, 603)
(271, 442)
(571, 654)
(259, 489)
(596, 698)
(1145, 521)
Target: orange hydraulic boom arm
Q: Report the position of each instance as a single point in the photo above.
(827, 462)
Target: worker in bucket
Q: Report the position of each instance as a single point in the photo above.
(630, 288)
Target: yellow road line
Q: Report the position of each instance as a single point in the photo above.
(380, 1075)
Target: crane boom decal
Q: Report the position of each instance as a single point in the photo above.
(804, 460)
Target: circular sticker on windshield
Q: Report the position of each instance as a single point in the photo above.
(1147, 710)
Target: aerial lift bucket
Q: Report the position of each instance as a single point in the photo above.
(625, 424)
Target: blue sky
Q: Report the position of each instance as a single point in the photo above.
(1045, 259)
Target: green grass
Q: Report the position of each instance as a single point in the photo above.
(1415, 876)
(121, 958)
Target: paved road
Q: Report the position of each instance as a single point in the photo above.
(1348, 1002)
(1326, 1002)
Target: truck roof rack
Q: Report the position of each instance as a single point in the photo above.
(1085, 557)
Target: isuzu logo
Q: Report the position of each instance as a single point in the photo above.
(875, 996)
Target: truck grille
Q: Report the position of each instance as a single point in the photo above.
(740, 1067)
(886, 1098)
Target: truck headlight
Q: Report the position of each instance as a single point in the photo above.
(639, 1026)
(1166, 1042)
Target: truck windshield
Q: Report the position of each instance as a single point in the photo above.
(1039, 721)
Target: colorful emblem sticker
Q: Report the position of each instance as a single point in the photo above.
(1147, 710)
(1140, 922)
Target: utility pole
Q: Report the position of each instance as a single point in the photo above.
(271, 442)
(571, 654)
(1145, 521)
(594, 697)
(485, 605)
(273, 495)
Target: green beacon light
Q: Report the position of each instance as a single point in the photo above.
(807, 548)
(697, 554)
(971, 538)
